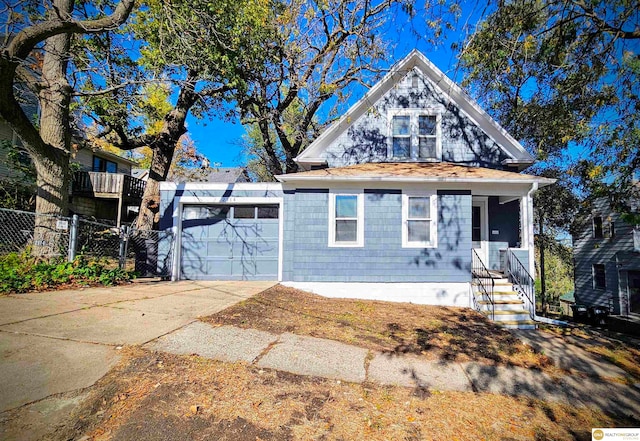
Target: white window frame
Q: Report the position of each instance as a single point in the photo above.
(359, 219)
(414, 148)
(433, 199)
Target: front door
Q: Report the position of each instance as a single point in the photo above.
(633, 285)
(480, 228)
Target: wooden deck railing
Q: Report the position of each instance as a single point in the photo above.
(93, 183)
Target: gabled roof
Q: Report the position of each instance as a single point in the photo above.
(413, 172)
(416, 60)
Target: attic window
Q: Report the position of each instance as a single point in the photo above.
(415, 134)
(414, 81)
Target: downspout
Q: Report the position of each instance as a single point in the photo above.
(532, 256)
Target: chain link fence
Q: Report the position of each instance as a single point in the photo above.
(22, 230)
(149, 253)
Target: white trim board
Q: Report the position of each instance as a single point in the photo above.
(417, 60)
(438, 294)
(258, 186)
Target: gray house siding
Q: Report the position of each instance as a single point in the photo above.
(615, 253)
(366, 140)
(308, 258)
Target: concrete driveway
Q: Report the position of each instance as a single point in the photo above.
(56, 342)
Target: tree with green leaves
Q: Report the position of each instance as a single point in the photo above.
(35, 57)
(323, 51)
(34, 60)
(564, 77)
(17, 189)
(198, 48)
(555, 208)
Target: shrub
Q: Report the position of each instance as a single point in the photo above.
(21, 272)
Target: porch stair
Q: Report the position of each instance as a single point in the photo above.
(510, 310)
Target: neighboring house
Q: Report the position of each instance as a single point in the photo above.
(30, 107)
(212, 174)
(226, 175)
(399, 196)
(7, 134)
(104, 187)
(606, 254)
(566, 300)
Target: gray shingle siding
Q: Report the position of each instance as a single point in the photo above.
(308, 258)
(616, 254)
(366, 140)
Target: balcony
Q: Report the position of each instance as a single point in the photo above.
(107, 185)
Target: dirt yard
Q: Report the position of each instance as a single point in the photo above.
(162, 397)
(454, 334)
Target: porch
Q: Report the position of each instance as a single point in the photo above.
(105, 195)
(503, 259)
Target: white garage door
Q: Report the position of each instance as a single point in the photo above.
(230, 242)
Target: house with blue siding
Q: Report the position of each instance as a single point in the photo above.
(606, 252)
(415, 194)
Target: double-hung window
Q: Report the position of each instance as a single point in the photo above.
(401, 136)
(346, 220)
(415, 134)
(419, 220)
(598, 231)
(599, 276)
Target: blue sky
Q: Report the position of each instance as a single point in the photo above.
(219, 139)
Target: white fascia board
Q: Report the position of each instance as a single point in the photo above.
(258, 186)
(517, 162)
(473, 110)
(519, 189)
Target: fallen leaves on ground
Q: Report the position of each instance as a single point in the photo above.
(434, 332)
(243, 403)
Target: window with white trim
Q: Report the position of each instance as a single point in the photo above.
(419, 220)
(346, 219)
(415, 134)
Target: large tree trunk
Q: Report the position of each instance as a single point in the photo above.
(163, 147)
(52, 159)
(162, 155)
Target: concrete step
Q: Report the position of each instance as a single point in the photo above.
(507, 295)
(504, 287)
(507, 316)
(499, 300)
(509, 305)
(518, 324)
(500, 286)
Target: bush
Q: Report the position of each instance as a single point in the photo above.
(21, 272)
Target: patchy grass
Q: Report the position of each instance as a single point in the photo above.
(154, 396)
(619, 349)
(454, 334)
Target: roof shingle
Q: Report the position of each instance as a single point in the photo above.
(413, 171)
